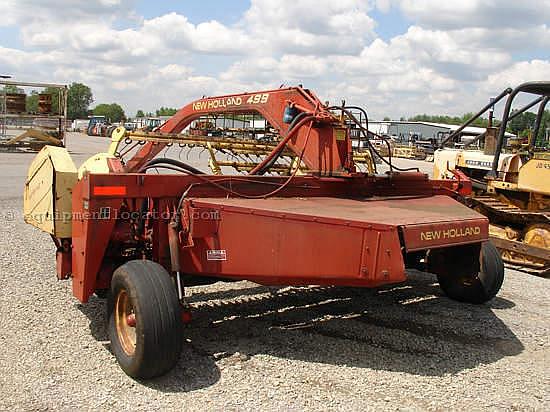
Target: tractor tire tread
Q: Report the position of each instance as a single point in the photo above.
(159, 345)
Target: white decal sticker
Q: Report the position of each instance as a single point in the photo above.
(216, 254)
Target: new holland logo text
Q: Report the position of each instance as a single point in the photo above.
(450, 233)
(230, 101)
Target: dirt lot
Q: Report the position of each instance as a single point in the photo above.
(252, 347)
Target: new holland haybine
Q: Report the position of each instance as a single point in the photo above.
(140, 228)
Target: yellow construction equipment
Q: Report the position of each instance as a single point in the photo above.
(511, 183)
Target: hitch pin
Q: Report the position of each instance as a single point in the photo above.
(178, 281)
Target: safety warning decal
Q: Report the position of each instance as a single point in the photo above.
(216, 254)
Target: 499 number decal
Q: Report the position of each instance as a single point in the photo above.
(257, 98)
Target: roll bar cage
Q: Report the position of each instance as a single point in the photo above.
(539, 88)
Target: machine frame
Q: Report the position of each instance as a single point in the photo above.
(143, 237)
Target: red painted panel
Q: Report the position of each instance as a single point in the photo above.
(288, 249)
(92, 226)
(364, 212)
(340, 231)
(451, 233)
(109, 190)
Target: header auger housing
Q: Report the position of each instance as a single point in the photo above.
(143, 237)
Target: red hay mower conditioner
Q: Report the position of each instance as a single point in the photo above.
(143, 237)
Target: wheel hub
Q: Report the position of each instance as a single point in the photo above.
(131, 320)
(125, 322)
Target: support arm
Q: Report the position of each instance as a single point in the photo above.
(327, 153)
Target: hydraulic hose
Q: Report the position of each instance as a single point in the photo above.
(165, 160)
(168, 167)
(233, 192)
(274, 155)
(365, 132)
(364, 114)
(270, 163)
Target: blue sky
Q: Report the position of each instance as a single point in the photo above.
(396, 57)
(389, 23)
(228, 12)
(10, 36)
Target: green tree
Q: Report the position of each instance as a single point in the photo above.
(166, 111)
(520, 125)
(481, 122)
(113, 112)
(543, 138)
(140, 113)
(32, 99)
(524, 121)
(55, 97)
(79, 98)
(386, 119)
(10, 88)
(32, 102)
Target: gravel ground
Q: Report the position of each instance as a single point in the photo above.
(251, 347)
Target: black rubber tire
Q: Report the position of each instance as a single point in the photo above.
(159, 338)
(102, 293)
(463, 276)
(414, 260)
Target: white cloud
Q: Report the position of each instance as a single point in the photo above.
(520, 72)
(54, 11)
(310, 27)
(490, 14)
(451, 58)
(268, 70)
